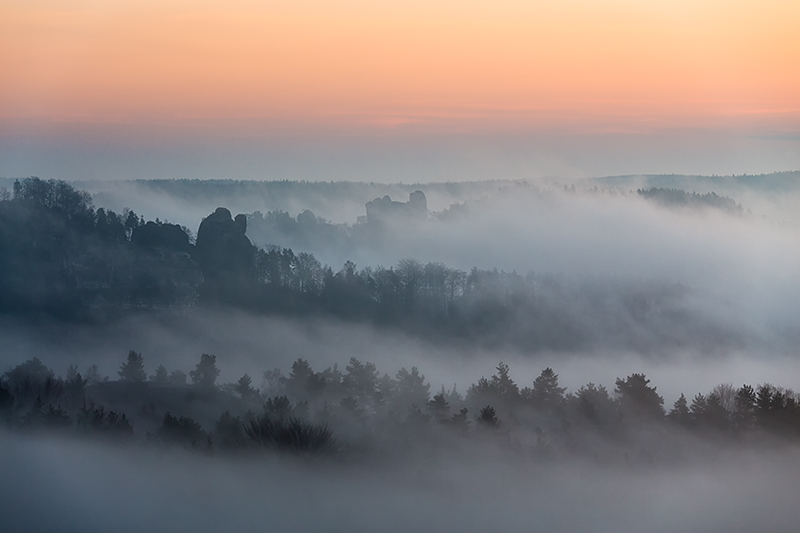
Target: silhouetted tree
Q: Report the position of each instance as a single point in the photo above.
(506, 389)
(410, 389)
(744, 418)
(34, 384)
(595, 404)
(205, 373)
(698, 409)
(680, 412)
(439, 408)
(72, 371)
(765, 406)
(278, 407)
(273, 383)
(177, 377)
(454, 397)
(716, 416)
(487, 418)
(638, 399)
(545, 394)
(6, 403)
(75, 385)
(93, 375)
(161, 376)
(726, 393)
(244, 388)
(296, 384)
(32, 370)
(360, 380)
(133, 369)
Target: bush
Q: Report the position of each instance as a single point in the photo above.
(183, 431)
(290, 435)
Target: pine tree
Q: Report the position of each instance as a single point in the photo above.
(177, 377)
(680, 411)
(161, 376)
(244, 388)
(93, 375)
(439, 408)
(698, 408)
(487, 418)
(744, 408)
(638, 398)
(206, 371)
(545, 391)
(503, 383)
(133, 369)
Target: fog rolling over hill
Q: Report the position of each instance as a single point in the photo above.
(611, 355)
(341, 201)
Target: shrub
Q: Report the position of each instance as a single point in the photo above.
(290, 435)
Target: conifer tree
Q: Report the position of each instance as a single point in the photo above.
(133, 369)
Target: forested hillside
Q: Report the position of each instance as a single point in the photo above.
(65, 258)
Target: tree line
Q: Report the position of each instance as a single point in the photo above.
(359, 410)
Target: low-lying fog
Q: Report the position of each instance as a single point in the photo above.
(742, 268)
(185, 202)
(63, 485)
(742, 272)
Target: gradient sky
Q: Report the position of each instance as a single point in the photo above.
(397, 90)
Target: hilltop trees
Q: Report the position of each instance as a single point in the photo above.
(161, 376)
(206, 372)
(680, 413)
(133, 368)
(499, 391)
(63, 257)
(391, 413)
(638, 399)
(244, 388)
(545, 394)
(60, 256)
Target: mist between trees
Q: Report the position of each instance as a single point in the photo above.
(178, 439)
(66, 260)
(358, 413)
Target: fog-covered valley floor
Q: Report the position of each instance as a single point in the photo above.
(56, 485)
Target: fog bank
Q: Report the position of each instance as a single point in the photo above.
(71, 486)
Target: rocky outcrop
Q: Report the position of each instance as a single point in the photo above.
(224, 253)
(169, 237)
(384, 209)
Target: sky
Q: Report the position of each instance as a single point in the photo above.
(397, 91)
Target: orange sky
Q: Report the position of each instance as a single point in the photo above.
(397, 89)
(386, 63)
